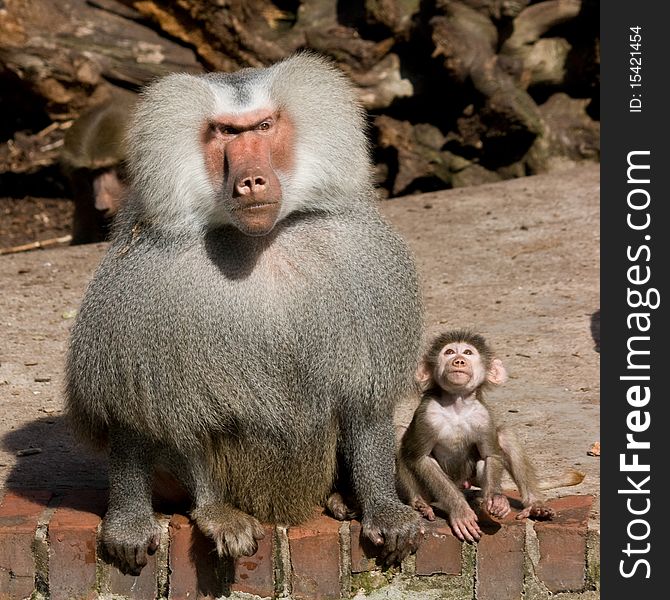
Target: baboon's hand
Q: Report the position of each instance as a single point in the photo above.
(423, 508)
(128, 539)
(341, 509)
(463, 521)
(234, 532)
(395, 527)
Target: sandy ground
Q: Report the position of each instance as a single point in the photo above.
(517, 261)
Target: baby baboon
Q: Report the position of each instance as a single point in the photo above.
(254, 316)
(453, 441)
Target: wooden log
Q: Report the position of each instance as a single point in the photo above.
(541, 60)
(67, 52)
(534, 21)
(570, 135)
(467, 40)
(63, 56)
(396, 15)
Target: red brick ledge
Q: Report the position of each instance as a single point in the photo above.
(48, 546)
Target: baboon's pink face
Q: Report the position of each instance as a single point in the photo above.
(461, 369)
(244, 152)
(459, 366)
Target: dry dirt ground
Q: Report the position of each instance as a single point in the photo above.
(517, 261)
(26, 220)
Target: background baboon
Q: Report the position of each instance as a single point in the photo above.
(92, 159)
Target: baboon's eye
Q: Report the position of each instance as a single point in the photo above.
(226, 129)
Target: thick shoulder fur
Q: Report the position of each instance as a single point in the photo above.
(332, 153)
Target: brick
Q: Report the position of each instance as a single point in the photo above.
(195, 568)
(315, 558)
(141, 587)
(19, 513)
(363, 552)
(254, 574)
(571, 511)
(72, 541)
(440, 551)
(183, 578)
(562, 541)
(500, 558)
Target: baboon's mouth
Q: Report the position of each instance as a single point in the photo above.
(256, 205)
(256, 217)
(459, 374)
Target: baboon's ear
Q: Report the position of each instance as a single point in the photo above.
(423, 375)
(497, 374)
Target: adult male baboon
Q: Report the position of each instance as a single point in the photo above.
(254, 316)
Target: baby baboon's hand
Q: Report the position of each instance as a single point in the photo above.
(423, 508)
(463, 521)
(342, 509)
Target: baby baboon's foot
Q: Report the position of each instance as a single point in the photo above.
(234, 532)
(498, 506)
(537, 510)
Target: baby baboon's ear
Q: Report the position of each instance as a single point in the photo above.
(423, 375)
(497, 374)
